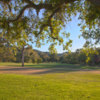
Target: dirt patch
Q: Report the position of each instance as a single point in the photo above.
(20, 70)
(95, 72)
(30, 71)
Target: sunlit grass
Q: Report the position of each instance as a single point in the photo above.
(67, 85)
(55, 86)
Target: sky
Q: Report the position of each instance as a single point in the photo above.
(74, 30)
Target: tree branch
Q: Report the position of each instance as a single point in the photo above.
(30, 4)
(54, 12)
(20, 14)
(49, 22)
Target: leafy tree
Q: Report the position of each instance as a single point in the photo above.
(54, 57)
(82, 57)
(36, 58)
(6, 52)
(30, 55)
(91, 23)
(92, 38)
(69, 58)
(90, 55)
(45, 56)
(47, 26)
(63, 58)
(45, 19)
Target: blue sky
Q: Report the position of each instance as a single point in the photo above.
(73, 28)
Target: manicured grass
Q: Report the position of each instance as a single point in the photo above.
(68, 85)
(59, 86)
(40, 65)
(51, 65)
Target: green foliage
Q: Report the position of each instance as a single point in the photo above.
(92, 37)
(82, 56)
(90, 54)
(7, 55)
(90, 24)
(45, 56)
(52, 49)
(6, 52)
(54, 58)
(19, 28)
(70, 58)
(30, 56)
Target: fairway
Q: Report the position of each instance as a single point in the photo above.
(49, 82)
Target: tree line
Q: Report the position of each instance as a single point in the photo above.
(80, 56)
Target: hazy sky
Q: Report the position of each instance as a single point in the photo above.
(74, 29)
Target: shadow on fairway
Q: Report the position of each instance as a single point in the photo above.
(48, 68)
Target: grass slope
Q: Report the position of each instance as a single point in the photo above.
(71, 85)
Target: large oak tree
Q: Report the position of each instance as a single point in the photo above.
(44, 19)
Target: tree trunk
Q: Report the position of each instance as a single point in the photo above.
(23, 56)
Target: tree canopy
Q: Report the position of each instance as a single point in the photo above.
(44, 19)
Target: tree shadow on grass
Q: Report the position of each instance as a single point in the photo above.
(49, 68)
(64, 66)
(69, 68)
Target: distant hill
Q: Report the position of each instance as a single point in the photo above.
(39, 52)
